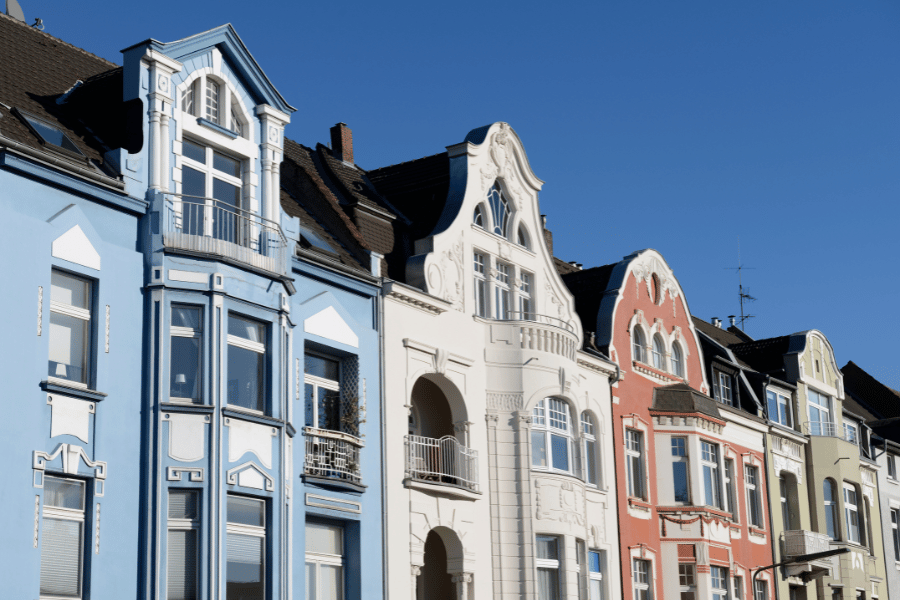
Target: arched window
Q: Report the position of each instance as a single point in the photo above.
(551, 435)
(237, 124)
(659, 353)
(212, 101)
(478, 217)
(499, 209)
(638, 344)
(522, 238)
(591, 460)
(677, 360)
(831, 508)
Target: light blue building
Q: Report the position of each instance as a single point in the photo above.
(195, 357)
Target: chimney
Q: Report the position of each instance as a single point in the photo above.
(732, 318)
(717, 322)
(342, 142)
(548, 236)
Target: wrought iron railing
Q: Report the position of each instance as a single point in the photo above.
(799, 541)
(444, 461)
(332, 454)
(211, 226)
(514, 315)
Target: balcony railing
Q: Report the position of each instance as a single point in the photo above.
(332, 454)
(542, 319)
(827, 429)
(210, 226)
(800, 541)
(444, 461)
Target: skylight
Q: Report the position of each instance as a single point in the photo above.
(52, 134)
(314, 240)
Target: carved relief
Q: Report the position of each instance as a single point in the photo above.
(195, 474)
(561, 501)
(782, 463)
(446, 280)
(501, 401)
(644, 269)
(71, 456)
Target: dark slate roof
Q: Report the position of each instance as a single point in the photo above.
(418, 189)
(882, 401)
(725, 337)
(588, 286)
(35, 70)
(854, 407)
(354, 184)
(889, 429)
(682, 398)
(765, 356)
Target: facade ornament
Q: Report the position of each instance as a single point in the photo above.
(445, 279)
(71, 456)
(505, 402)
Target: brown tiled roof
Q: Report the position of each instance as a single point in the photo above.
(881, 400)
(588, 286)
(38, 68)
(353, 182)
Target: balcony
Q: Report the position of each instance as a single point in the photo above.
(443, 462)
(215, 228)
(799, 542)
(332, 456)
(827, 429)
(545, 333)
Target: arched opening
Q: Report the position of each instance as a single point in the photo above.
(434, 418)
(478, 217)
(522, 238)
(435, 583)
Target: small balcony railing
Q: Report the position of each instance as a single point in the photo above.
(827, 429)
(332, 454)
(444, 461)
(542, 319)
(210, 226)
(799, 541)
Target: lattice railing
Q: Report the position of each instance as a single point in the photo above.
(332, 454)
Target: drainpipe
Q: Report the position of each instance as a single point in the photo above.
(773, 542)
(383, 416)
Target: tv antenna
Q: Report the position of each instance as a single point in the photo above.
(743, 293)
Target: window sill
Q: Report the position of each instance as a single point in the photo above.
(437, 488)
(639, 503)
(78, 392)
(216, 127)
(250, 416)
(335, 484)
(178, 407)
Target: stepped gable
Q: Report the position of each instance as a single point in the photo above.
(881, 401)
(306, 196)
(588, 287)
(36, 69)
(682, 398)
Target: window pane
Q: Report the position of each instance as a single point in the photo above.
(63, 493)
(321, 367)
(245, 378)
(183, 504)
(226, 164)
(310, 581)
(53, 135)
(679, 474)
(229, 194)
(181, 577)
(68, 347)
(245, 567)
(185, 316)
(246, 511)
(596, 590)
(61, 557)
(538, 449)
(560, 450)
(546, 548)
(548, 584)
(184, 372)
(193, 151)
(591, 461)
(322, 538)
(329, 409)
(331, 586)
(69, 290)
(247, 329)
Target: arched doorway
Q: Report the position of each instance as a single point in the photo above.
(435, 583)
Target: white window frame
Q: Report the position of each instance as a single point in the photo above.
(210, 173)
(259, 348)
(482, 304)
(502, 291)
(891, 467)
(595, 576)
(687, 580)
(761, 591)
(851, 508)
(738, 587)
(526, 301)
(318, 559)
(321, 382)
(778, 400)
(249, 531)
(679, 451)
(479, 217)
(638, 344)
(187, 332)
(522, 237)
(731, 505)
(550, 565)
(642, 578)
(82, 314)
(213, 107)
(710, 461)
(182, 524)
(589, 439)
(851, 432)
(895, 532)
(66, 514)
(831, 507)
(813, 399)
(723, 388)
(718, 582)
(549, 421)
(658, 347)
(753, 492)
(635, 464)
(677, 360)
(505, 224)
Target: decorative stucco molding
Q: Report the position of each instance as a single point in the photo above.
(70, 416)
(187, 436)
(195, 474)
(250, 475)
(561, 501)
(250, 437)
(505, 401)
(71, 455)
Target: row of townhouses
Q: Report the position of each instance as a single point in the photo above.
(246, 368)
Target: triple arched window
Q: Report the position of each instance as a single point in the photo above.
(495, 214)
(661, 361)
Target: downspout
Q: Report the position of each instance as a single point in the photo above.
(382, 414)
(773, 542)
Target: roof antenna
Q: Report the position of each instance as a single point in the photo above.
(38, 24)
(743, 293)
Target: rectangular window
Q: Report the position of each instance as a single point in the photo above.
(754, 505)
(892, 467)
(642, 578)
(591, 475)
(851, 433)
(851, 513)
(323, 392)
(785, 505)
(895, 530)
(212, 101)
(596, 566)
(211, 194)
(760, 590)
(719, 578)
(780, 409)
(181, 550)
(502, 292)
(246, 530)
(525, 303)
(481, 304)
(186, 341)
(819, 406)
(738, 588)
(324, 561)
(709, 459)
(634, 457)
(680, 470)
(246, 363)
(70, 328)
(547, 563)
(725, 395)
(731, 506)
(62, 537)
(687, 582)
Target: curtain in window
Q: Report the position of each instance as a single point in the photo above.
(548, 584)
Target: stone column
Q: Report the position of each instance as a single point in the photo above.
(462, 581)
(415, 571)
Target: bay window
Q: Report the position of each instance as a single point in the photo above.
(181, 549)
(246, 363)
(634, 463)
(186, 342)
(680, 470)
(754, 500)
(551, 435)
(246, 547)
(70, 328)
(709, 459)
(323, 392)
(324, 561)
(62, 537)
(547, 563)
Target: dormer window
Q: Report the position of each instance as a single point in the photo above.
(499, 209)
(212, 101)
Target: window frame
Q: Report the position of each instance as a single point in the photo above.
(638, 344)
(319, 559)
(635, 460)
(783, 407)
(680, 456)
(233, 528)
(658, 353)
(723, 382)
(687, 580)
(731, 504)
(318, 382)
(502, 284)
(65, 514)
(501, 226)
(526, 300)
(825, 409)
(184, 524)
(719, 582)
(257, 347)
(852, 508)
(891, 467)
(190, 333)
(590, 449)
(895, 531)
(85, 315)
(637, 574)
(851, 432)
(761, 590)
(480, 287)
(831, 508)
(753, 491)
(710, 462)
(595, 576)
(548, 564)
(677, 360)
(542, 425)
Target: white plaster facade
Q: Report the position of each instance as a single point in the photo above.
(450, 372)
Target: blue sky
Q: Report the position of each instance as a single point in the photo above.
(689, 127)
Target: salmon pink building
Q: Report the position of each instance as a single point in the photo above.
(689, 455)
